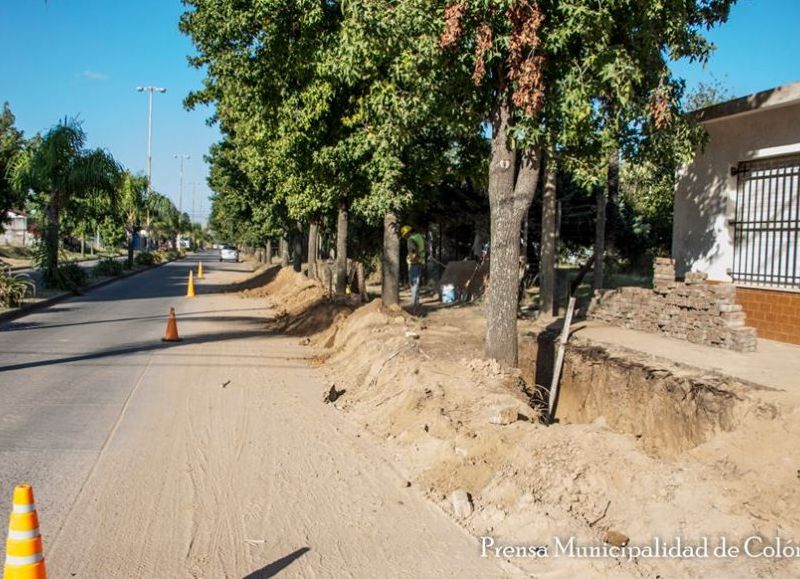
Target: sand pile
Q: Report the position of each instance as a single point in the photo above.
(529, 482)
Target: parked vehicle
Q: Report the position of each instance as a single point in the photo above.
(228, 253)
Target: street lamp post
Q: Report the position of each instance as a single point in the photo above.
(150, 90)
(180, 193)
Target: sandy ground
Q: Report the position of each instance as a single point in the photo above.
(220, 459)
(251, 478)
(418, 385)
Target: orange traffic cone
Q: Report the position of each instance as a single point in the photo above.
(200, 270)
(190, 288)
(24, 558)
(171, 334)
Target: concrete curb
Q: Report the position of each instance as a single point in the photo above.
(46, 303)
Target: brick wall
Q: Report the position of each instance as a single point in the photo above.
(774, 314)
(691, 310)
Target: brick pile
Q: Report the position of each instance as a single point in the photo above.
(691, 310)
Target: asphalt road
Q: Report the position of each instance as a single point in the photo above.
(65, 374)
(212, 457)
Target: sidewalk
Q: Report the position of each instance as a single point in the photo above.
(774, 365)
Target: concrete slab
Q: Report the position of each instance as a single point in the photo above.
(774, 364)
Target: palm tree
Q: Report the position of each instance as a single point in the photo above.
(159, 216)
(59, 170)
(133, 202)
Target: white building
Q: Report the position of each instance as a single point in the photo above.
(15, 231)
(737, 206)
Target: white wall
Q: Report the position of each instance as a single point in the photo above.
(705, 195)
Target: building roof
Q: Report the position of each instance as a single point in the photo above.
(766, 99)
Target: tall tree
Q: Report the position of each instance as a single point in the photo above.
(133, 201)
(584, 77)
(59, 170)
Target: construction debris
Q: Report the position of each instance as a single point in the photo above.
(332, 395)
(462, 506)
(616, 539)
(503, 415)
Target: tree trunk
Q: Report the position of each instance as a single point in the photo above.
(268, 249)
(130, 247)
(297, 248)
(341, 248)
(313, 227)
(390, 264)
(83, 245)
(362, 281)
(599, 241)
(509, 199)
(284, 251)
(51, 258)
(547, 262)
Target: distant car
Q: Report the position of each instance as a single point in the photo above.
(228, 253)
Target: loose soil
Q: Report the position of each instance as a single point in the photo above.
(648, 450)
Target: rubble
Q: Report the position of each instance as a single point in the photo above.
(503, 415)
(462, 506)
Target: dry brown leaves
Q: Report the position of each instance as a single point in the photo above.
(524, 65)
(453, 24)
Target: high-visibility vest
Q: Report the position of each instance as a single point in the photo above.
(420, 242)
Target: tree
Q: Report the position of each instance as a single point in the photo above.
(133, 201)
(60, 170)
(11, 144)
(581, 79)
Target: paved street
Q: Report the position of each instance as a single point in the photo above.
(144, 465)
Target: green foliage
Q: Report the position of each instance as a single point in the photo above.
(112, 231)
(62, 173)
(706, 94)
(166, 255)
(108, 267)
(68, 277)
(12, 143)
(146, 258)
(14, 288)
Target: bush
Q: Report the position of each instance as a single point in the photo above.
(168, 255)
(70, 277)
(146, 258)
(14, 288)
(108, 267)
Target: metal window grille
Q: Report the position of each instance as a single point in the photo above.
(766, 229)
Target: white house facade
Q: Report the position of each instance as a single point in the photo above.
(737, 205)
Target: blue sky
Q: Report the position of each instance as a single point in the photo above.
(85, 58)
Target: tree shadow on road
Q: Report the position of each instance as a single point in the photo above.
(189, 316)
(140, 347)
(277, 566)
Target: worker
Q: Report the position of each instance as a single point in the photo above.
(416, 261)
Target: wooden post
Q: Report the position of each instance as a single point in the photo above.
(562, 344)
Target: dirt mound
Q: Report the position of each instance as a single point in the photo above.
(299, 305)
(530, 482)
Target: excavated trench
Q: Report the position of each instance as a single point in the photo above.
(668, 407)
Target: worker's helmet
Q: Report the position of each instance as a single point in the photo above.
(405, 230)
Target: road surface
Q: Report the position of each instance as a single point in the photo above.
(145, 465)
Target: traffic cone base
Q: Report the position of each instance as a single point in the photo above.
(171, 335)
(24, 558)
(190, 288)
